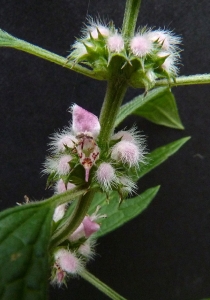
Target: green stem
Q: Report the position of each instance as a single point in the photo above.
(65, 197)
(130, 17)
(185, 80)
(101, 286)
(115, 92)
(75, 220)
(7, 40)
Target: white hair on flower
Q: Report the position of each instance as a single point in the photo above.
(170, 63)
(115, 43)
(94, 27)
(61, 139)
(166, 39)
(105, 176)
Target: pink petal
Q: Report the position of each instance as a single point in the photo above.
(84, 121)
(89, 226)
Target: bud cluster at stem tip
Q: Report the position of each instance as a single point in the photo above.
(147, 56)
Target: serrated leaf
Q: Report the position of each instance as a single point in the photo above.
(24, 237)
(159, 155)
(119, 215)
(158, 106)
(130, 107)
(161, 110)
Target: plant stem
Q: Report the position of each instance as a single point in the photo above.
(75, 220)
(185, 80)
(66, 197)
(130, 17)
(115, 92)
(101, 286)
(7, 40)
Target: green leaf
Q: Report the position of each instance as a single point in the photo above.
(161, 110)
(24, 237)
(130, 107)
(119, 215)
(158, 106)
(159, 155)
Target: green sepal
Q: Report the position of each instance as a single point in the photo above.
(76, 175)
(52, 178)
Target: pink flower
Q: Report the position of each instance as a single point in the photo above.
(140, 45)
(87, 227)
(115, 43)
(78, 233)
(90, 226)
(84, 121)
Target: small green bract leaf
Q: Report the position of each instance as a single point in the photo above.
(24, 237)
(159, 155)
(119, 215)
(161, 110)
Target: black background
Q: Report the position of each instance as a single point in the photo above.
(165, 252)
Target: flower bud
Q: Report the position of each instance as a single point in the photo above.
(66, 140)
(67, 261)
(140, 45)
(59, 212)
(104, 31)
(169, 64)
(115, 43)
(128, 186)
(87, 249)
(60, 186)
(105, 175)
(127, 152)
(166, 39)
(63, 164)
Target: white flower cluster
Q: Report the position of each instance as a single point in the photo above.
(156, 51)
